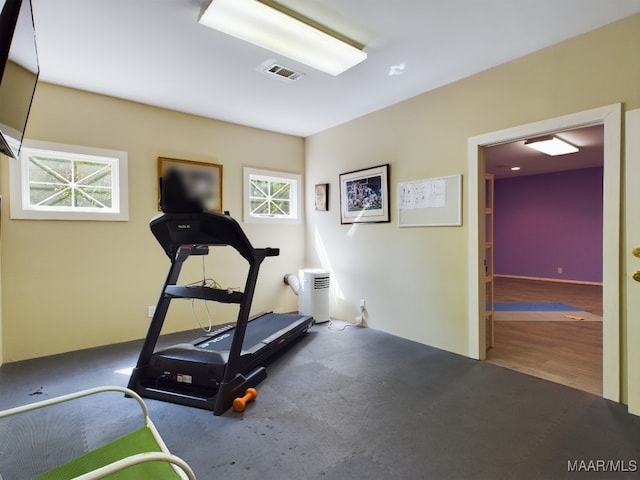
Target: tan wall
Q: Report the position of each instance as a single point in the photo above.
(70, 285)
(1, 342)
(414, 280)
(73, 285)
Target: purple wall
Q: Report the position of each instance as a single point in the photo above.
(543, 222)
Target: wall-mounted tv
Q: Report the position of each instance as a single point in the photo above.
(19, 72)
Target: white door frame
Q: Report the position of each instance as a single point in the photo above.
(610, 117)
(632, 224)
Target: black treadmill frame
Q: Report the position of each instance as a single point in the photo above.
(182, 235)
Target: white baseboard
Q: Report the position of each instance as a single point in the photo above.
(557, 280)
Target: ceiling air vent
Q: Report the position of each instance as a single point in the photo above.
(282, 73)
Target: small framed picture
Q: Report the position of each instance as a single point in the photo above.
(322, 197)
(364, 195)
(204, 180)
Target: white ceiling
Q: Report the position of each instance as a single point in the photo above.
(155, 52)
(589, 140)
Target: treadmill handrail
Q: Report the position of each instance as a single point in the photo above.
(203, 293)
(270, 252)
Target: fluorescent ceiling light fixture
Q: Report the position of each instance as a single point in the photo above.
(551, 145)
(272, 26)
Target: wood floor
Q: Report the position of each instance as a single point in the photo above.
(566, 352)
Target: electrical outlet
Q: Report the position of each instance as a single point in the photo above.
(560, 270)
(151, 309)
(362, 303)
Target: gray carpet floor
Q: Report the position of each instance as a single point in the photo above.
(352, 404)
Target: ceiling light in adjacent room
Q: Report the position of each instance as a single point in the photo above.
(272, 26)
(515, 168)
(551, 145)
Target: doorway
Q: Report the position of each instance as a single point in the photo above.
(610, 118)
(547, 253)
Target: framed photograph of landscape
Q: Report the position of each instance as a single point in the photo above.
(364, 195)
(203, 180)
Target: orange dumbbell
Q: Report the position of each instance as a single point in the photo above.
(240, 403)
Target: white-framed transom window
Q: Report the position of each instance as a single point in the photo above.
(271, 197)
(52, 181)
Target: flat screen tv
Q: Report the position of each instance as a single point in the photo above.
(19, 72)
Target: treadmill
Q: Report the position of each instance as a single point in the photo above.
(212, 370)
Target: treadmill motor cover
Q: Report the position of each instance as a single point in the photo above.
(201, 364)
(185, 364)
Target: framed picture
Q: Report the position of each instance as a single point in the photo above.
(364, 195)
(322, 197)
(203, 180)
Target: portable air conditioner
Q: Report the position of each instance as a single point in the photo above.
(312, 288)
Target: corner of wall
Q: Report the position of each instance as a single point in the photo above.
(1, 351)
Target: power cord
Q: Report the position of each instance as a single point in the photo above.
(209, 326)
(343, 325)
(205, 282)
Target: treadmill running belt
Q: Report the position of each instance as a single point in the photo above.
(257, 330)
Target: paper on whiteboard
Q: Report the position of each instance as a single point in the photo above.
(423, 194)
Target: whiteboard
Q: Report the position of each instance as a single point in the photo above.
(431, 202)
